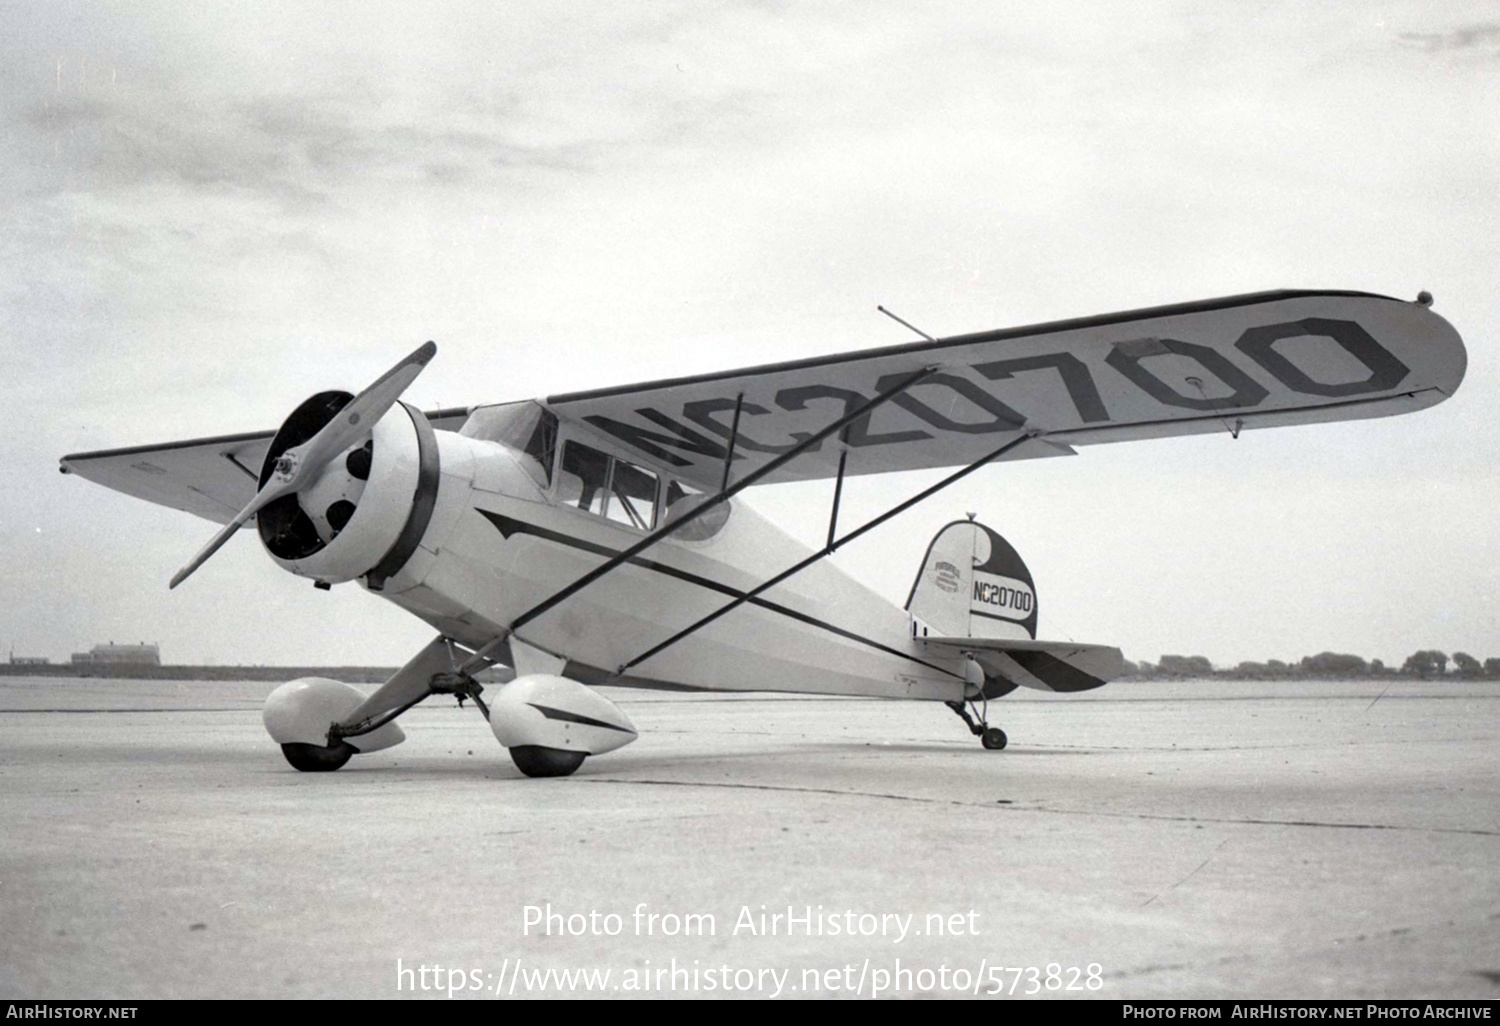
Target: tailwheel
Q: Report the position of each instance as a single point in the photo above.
(318, 758)
(992, 738)
(536, 761)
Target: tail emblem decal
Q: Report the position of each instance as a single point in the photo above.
(946, 576)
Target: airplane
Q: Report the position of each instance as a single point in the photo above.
(596, 538)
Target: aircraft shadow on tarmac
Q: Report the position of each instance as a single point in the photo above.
(487, 757)
(487, 760)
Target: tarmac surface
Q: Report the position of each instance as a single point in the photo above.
(1186, 839)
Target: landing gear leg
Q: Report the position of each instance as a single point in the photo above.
(461, 686)
(992, 738)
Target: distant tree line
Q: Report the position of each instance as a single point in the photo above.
(1423, 664)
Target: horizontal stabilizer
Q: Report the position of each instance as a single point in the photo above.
(1043, 665)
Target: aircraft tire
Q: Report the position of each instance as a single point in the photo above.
(317, 758)
(993, 738)
(537, 761)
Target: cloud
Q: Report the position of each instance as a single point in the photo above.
(296, 152)
(1481, 39)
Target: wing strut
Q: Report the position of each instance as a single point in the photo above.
(724, 495)
(838, 490)
(734, 433)
(832, 545)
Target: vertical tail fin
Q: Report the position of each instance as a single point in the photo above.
(972, 584)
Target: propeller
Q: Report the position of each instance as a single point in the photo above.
(301, 464)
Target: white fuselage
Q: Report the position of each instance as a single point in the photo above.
(499, 542)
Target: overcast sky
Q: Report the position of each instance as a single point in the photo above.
(211, 211)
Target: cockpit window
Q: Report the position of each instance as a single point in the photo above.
(632, 496)
(583, 478)
(595, 483)
(528, 427)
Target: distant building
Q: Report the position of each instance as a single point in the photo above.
(16, 660)
(116, 655)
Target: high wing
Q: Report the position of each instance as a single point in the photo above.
(1043, 665)
(1262, 360)
(212, 477)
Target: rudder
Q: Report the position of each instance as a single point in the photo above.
(974, 584)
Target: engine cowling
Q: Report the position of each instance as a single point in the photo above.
(364, 514)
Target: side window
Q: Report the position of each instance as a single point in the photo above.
(680, 499)
(632, 496)
(582, 478)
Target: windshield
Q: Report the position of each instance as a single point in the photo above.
(527, 427)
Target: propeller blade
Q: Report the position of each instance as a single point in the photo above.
(356, 419)
(307, 459)
(213, 546)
